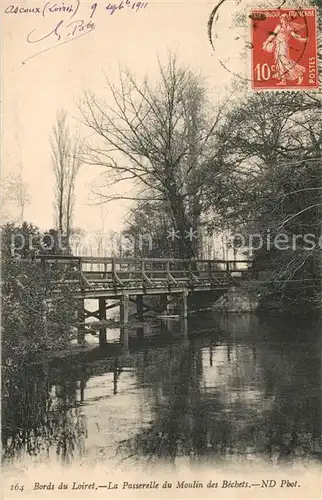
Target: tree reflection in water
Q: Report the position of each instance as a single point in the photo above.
(246, 390)
(264, 400)
(42, 410)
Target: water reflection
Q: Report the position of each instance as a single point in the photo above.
(243, 387)
(41, 411)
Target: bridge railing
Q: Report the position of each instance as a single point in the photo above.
(137, 263)
(159, 263)
(122, 271)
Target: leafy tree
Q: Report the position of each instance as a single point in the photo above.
(272, 144)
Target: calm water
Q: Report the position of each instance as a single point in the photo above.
(236, 386)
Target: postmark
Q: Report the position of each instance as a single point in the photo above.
(284, 49)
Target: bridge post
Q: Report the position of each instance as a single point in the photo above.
(184, 327)
(124, 318)
(164, 303)
(81, 322)
(139, 311)
(184, 304)
(102, 317)
(139, 306)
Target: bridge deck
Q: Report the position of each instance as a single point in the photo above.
(94, 277)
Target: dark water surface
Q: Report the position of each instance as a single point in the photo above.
(235, 386)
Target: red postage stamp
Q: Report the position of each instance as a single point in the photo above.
(284, 49)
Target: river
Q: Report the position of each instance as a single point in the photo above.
(236, 386)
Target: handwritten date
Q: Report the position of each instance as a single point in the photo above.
(67, 29)
(69, 9)
(112, 7)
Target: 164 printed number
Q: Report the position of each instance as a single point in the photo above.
(16, 487)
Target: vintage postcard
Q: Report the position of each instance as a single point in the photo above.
(161, 249)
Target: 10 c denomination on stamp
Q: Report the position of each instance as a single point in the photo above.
(284, 49)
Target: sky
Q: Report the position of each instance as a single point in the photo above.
(33, 91)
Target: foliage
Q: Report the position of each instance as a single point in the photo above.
(34, 316)
(148, 226)
(272, 146)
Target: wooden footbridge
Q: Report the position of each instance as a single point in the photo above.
(116, 282)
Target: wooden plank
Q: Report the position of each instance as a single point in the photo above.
(145, 261)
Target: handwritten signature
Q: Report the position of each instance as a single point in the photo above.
(63, 32)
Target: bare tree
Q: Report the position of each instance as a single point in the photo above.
(14, 195)
(65, 160)
(159, 135)
(100, 233)
(77, 236)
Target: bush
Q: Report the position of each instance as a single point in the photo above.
(34, 316)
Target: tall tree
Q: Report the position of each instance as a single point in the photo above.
(158, 134)
(65, 161)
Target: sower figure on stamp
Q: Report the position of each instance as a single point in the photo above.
(278, 41)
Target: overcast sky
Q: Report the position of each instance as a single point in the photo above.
(34, 91)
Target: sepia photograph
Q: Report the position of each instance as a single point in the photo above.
(161, 249)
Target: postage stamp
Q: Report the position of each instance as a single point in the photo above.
(284, 49)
